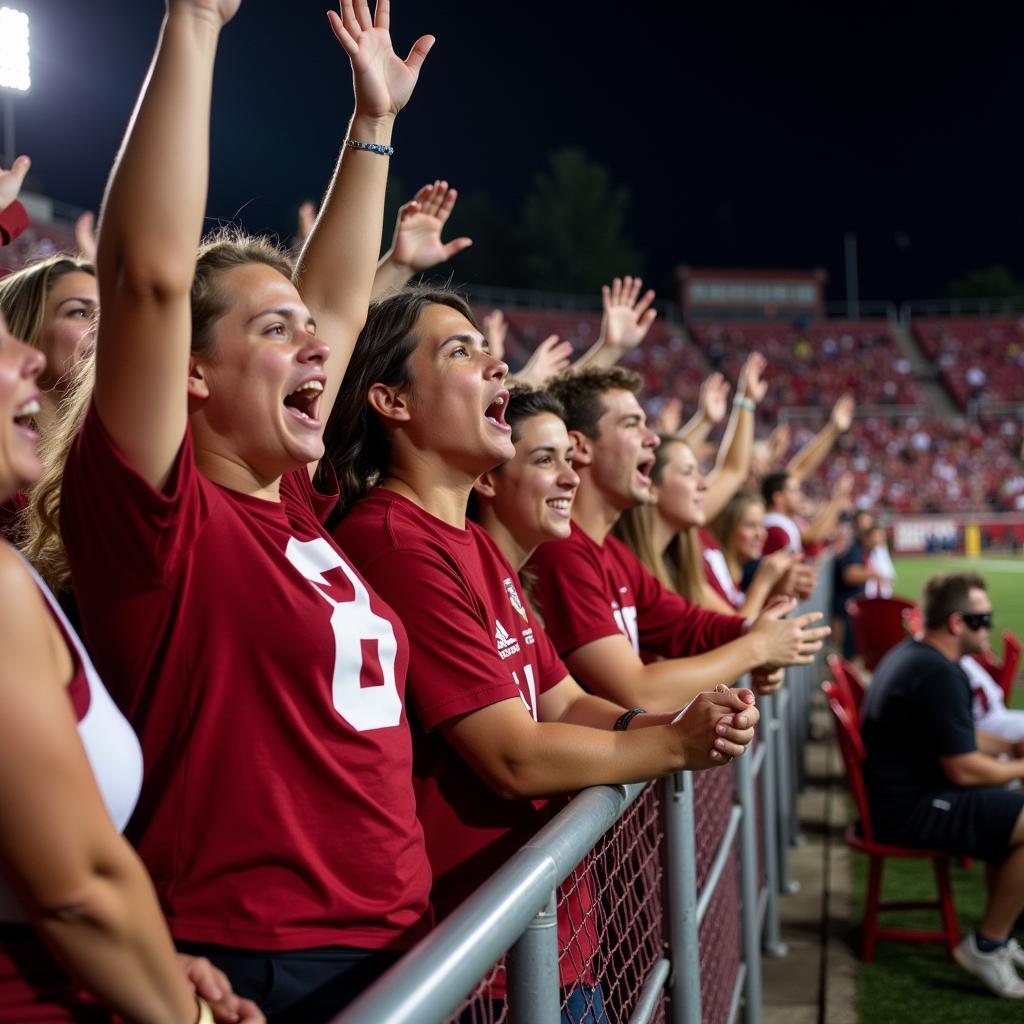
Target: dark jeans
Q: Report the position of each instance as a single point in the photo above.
(302, 986)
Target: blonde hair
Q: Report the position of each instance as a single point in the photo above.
(37, 528)
(23, 294)
(679, 566)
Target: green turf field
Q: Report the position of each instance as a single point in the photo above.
(1005, 578)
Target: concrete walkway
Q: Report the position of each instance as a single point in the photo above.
(814, 982)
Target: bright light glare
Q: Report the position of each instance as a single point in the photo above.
(14, 63)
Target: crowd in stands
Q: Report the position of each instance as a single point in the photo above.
(977, 357)
(312, 613)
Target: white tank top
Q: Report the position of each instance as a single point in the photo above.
(110, 743)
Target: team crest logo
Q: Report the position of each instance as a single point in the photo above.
(513, 596)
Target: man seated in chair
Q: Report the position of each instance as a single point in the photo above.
(931, 784)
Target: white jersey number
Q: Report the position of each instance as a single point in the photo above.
(531, 704)
(357, 631)
(625, 619)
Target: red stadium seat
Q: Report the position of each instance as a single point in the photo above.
(861, 838)
(1011, 662)
(850, 686)
(877, 624)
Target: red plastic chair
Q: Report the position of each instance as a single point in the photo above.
(877, 624)
(1011, 662)
(862, 839)
(850, 686)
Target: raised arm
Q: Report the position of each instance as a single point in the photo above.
(814, 453)
(733, 463)
(335, 271)
(626, 319)
(417, 244)
(823, 524)
(150, 226)
(711, 407)
(551, 356)
(13, 218)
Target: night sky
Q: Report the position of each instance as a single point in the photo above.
(749, 137)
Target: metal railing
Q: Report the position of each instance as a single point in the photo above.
(515, 911)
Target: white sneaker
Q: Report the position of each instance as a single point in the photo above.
(994, 969)
(1013, 947)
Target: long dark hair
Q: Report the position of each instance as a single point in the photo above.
(680, 566)
(356, 441)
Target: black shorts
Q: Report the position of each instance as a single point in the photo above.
(966, 822)
(302, 986)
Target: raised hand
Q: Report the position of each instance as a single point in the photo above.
(12, 180)
(713, 400)
(778, 443)
(495, 331)
(670, 416)
(417, 244)
(788, 641)
(716, 726)
(842, 413)
(383, 82)
(551, 356)
(627, 315)
(85, 235)
(751, 383)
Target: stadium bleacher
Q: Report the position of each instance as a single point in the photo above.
(976, 357)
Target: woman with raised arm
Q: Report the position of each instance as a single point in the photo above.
(76, 906)
(265, 678)
(496, 713)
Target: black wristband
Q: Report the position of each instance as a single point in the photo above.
(622, 722)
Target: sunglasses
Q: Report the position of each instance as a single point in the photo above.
(977, 620)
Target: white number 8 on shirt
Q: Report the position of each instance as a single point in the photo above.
(354, 623)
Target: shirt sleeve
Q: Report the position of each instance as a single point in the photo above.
(570, 592)
(550, 667)
(13, 221)
(113, 521)
(776, 539)
(674, 627)
(454, 667)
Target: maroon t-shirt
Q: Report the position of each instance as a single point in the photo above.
(474, 641)
(266, 683)
(587, 591)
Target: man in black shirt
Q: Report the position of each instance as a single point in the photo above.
(928, 783)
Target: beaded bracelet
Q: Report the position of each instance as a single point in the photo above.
(745, 403)
(371, 147)
(622, 723)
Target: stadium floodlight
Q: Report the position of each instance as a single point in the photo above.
(15, 69)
